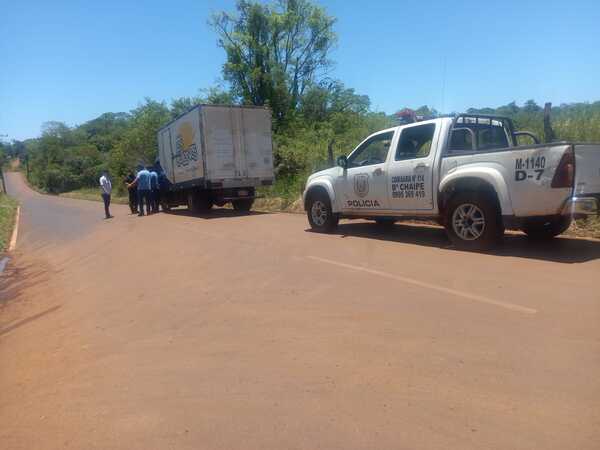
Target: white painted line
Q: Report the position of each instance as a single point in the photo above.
(445, 290)
(13, 239)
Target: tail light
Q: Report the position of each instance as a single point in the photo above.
(564, 177)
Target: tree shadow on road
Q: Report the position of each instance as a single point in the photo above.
(563, 249)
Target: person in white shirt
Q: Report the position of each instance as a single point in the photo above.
(106, 189)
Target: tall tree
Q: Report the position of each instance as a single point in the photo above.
(275, 51)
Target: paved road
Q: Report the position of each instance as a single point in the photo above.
(250, 332)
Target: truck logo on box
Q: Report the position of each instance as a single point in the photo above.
(361, 185)
(186, 150)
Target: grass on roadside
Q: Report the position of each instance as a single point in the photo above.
(8, 209)
(93, 194)
(589, 228)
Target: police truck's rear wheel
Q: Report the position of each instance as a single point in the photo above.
(473, 221)
(319, 213)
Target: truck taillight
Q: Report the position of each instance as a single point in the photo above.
(564, 177)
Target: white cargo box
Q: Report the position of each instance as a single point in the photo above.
(229, 146)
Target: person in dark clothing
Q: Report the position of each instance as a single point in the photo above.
(163, 187)
(154, 192)
(142, 181)
(132, 191)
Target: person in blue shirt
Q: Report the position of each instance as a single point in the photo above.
(142, 181)
(154, 196)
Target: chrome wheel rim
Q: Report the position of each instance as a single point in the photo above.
(468, 222)
(318, 212)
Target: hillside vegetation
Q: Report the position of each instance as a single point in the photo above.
(277, 55)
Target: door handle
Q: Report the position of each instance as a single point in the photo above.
(378, 171)
(421, 166)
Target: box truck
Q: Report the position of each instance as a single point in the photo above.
(215, 154)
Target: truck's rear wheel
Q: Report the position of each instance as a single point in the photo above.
(243, 205)
(197, 202)
(547, 230)
(320, 215)
(473, 221)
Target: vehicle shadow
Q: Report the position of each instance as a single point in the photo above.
(563, 249)
(215, 213)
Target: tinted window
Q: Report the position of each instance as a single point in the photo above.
(490, 133)
(373, 151)
(415, 142)
(492, 137)
(461, 140)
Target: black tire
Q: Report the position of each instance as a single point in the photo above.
(197, 202)
(473, 221)
(385, 222)
(542, 231)
(320, 216)
(243, 205)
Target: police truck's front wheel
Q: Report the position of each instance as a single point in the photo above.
(320, 216)
(473, 221)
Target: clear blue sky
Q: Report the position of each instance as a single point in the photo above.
(73, 60)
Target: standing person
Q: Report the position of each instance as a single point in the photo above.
(106, 190)
(163, 187)
(132, 191)
(154, 188)
(142, 181)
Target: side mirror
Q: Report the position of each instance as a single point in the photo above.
(342, 161)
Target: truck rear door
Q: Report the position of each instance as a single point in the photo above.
(222, 132)
(257, 142)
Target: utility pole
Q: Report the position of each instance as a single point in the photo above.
(330, 152)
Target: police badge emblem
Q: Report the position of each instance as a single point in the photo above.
(361, 184)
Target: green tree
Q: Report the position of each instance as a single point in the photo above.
(275, 51)
(105, 131)
(139, 143)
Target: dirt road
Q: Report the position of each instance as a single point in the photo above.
(250, 332)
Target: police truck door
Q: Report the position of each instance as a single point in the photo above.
(364, 183)
(411, 168)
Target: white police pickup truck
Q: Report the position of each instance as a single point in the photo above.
(468, 172)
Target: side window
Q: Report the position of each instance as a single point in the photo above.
(374, 151)
(415, 142)
(461, 140)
